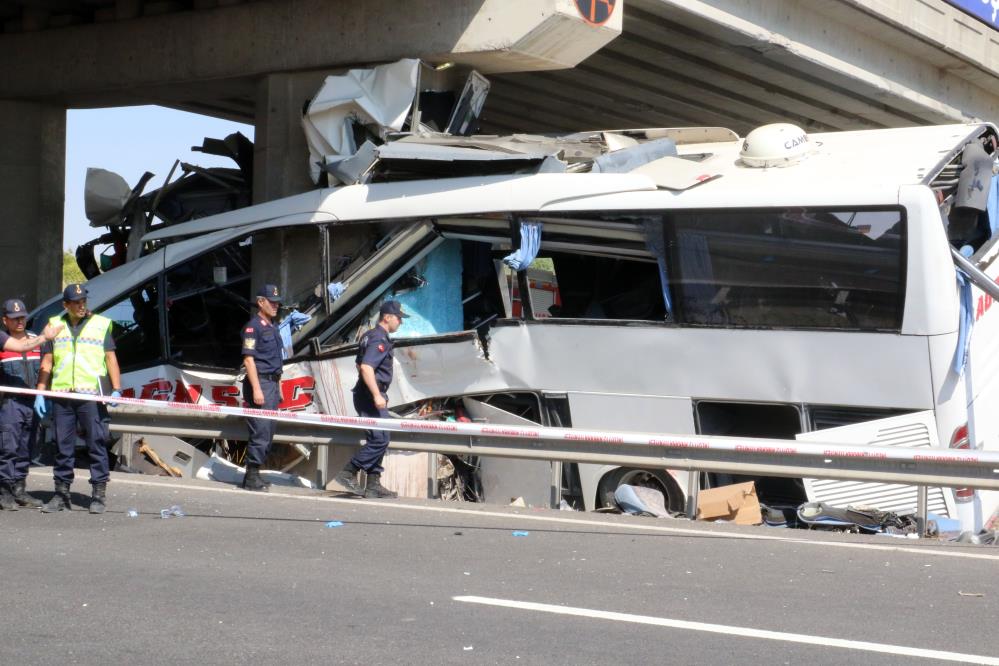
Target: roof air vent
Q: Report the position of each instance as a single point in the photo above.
(777, 145)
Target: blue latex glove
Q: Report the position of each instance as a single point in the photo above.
(40, 407)
(114, 394)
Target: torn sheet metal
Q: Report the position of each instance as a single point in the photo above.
(381, 96)
(414, 160)
(465, 116)
(910, 430)
(437, 366)
(503, 478)
(630, 158)
(676, 173)
(104, 195)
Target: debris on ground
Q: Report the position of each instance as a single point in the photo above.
(736, 503)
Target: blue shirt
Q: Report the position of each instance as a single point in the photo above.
(375, 350)
(262, 342)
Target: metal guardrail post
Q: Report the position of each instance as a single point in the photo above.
(922, 503)
(693, 486)
(322, 465)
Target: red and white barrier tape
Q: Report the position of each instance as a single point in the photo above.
(742, 445)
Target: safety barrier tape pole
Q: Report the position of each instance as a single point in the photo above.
(667, 442)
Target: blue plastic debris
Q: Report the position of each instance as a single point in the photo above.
(519, 533)
(335, 523)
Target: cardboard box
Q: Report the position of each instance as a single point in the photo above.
(736, 503)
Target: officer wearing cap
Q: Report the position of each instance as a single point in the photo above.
(80, 359)
(19, 362)
(262, 386)
(374, 375)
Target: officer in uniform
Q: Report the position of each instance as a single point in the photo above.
(19, 361)
(262, 386)
(374, 375)
(79, 360)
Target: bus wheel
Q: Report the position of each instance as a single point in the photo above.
(642, 478)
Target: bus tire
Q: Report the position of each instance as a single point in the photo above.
(644, 478)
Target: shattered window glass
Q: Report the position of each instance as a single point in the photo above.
(135, 326)
(583, 286)
(208, 300)
(788, 268)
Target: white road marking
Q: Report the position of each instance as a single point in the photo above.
(744, 632)
(933, 551)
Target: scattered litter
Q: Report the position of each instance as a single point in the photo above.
(132, 513)
(564, 506)
(458, 533)
(467, 573)
(519, 533)
(860, 519)
(971, 594)
(468, 647)
(220, 469)
(173, 512)
(518, 501)
(335, 523)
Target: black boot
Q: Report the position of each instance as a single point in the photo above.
(59, 501)
(346, 481)
(7, 502)
(98, 498)
(252, 480)
(23, 498)
(375, 489)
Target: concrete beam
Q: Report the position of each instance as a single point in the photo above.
(260, 38)
(32, 185)
(836, 43)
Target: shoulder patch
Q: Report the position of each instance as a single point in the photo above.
(249, 343)
(249, 329)
(381, 346)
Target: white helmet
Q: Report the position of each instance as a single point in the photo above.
(777, 145)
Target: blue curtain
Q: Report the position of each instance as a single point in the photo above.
(530, 244)
(655, 243)
(967, 317)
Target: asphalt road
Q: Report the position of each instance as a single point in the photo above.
(261, 579)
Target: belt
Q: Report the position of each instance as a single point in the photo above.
(272, 376)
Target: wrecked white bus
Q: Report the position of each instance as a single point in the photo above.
(773, 286)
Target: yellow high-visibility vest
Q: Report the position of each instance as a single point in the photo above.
(79, 363)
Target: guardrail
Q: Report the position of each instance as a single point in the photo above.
(920, 467)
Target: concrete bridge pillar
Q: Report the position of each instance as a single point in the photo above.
(289, 258)
(32, 187)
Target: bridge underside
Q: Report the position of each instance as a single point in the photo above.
(840, 64)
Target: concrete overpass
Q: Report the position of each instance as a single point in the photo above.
(838, 64)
